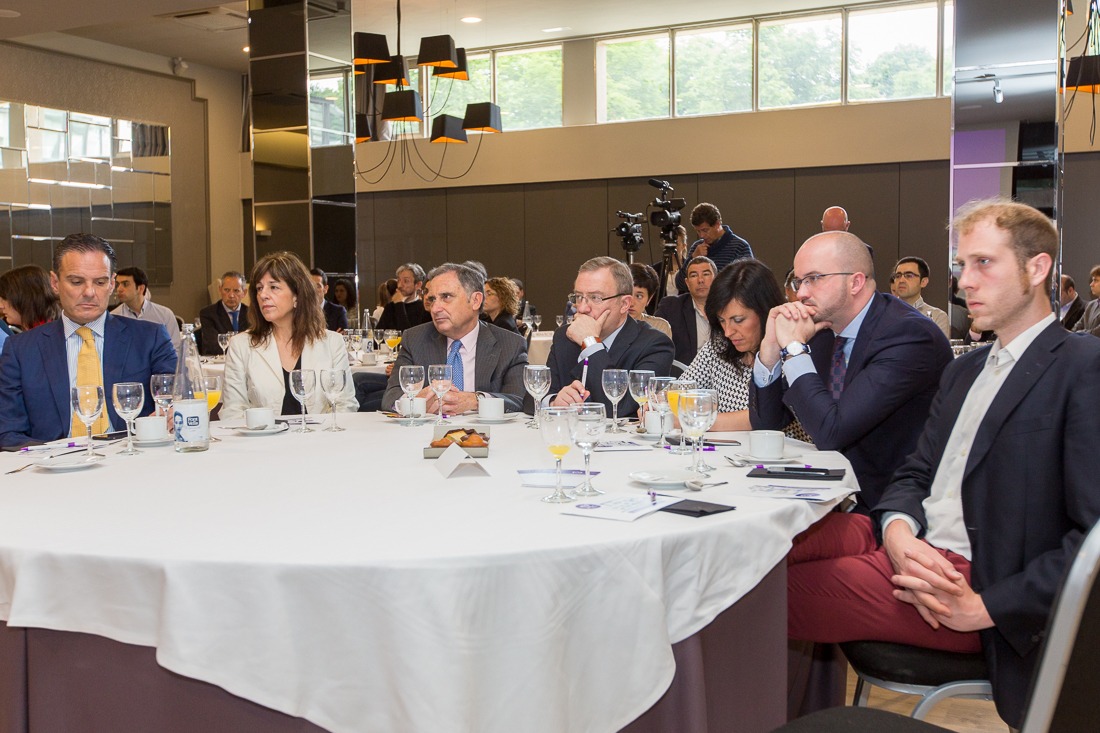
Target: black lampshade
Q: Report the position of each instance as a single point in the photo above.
(1084, 74)
(458, 72)
(370, 48)
(483, 117)
(448, 129)
(395, 71)
(437, 51)
(362, 128)
(402, 105)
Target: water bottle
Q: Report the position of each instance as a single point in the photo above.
(191, 416)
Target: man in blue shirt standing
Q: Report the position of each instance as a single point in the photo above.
(716, 241)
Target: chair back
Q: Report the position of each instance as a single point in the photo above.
(1067, 685)
(678, 368)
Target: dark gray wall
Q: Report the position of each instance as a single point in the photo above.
(1081, 219)
(542, 232)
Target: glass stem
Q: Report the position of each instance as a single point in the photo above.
(615, 416)
(332, 401)
(587, 472)
(557, 489)
(303, 413)
(90, 451)
(129, 440)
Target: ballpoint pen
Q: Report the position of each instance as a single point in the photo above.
(70, 444)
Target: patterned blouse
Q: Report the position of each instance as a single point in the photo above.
(732, 383)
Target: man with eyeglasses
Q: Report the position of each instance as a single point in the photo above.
(910, 280)
(684, 312)
(603, 336)
(716, 241)
(858, 368)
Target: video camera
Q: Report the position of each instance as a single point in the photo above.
(630, 230)
(667, 215)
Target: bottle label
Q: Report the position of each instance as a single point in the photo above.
(192, 421)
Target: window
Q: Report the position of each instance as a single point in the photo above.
(450, 96)
(328, 116)
(892, 52)
(528, 86)
(632, 78)
(713, 70)
(948, 48)
(800, 61)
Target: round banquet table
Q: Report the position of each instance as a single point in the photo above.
(339, 578)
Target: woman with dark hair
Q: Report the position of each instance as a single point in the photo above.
(737, 310)
(286, 332)
(501, 301)
(28, 299)
(343, 293)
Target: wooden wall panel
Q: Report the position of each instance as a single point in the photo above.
(486, 224)
(1081, 220)
(922, 219)
(758, 206)
(410, 226)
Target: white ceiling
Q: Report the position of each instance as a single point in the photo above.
(145, 25)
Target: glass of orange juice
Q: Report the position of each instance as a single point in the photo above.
(678, 386)
(393, 340)
(212, 384)
(556, 426)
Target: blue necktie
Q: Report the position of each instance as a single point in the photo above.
(455, 360)
(839, 368)
(233, 318)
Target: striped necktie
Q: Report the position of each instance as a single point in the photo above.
(88, 373)
(839, 368)
(455, 360)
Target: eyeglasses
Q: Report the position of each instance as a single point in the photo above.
(907, 275)
(593, 299)
(811, 280)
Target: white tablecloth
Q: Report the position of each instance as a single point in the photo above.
(338, 577)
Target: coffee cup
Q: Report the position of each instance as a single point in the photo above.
(491, 408)
(367, 358)
(415, 407)
(151, 428)
(259, 418)
(766, 444)
(653, 422)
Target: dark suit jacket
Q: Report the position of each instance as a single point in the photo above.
(214, 320)
(506, 321)
(336, 316)
(501, 356)
(1073, 315)
(638, 346)
(1030, 491)
(892, 374)
(679, 311)
(34, 375)
(403, 315)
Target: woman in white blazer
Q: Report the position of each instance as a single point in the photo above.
(286, 332)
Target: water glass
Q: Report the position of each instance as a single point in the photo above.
(303, 382)
(87, 402)
(223, 341)
(439, 377)
(695, 410)
(161, 386)
(536, 380)
(638, 383)
(658, 400)
(559, 319)
(588, 428)
(614, 387)
(129, 398)
(411, 379)
(333, 383)
(556, 428)
(678, 386)
(538, 322)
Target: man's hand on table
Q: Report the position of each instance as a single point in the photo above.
(454, 402)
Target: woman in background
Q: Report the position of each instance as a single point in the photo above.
(501, 301)
(28, 300)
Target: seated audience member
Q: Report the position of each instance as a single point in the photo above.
(605, 336)
(521, 293)
(789, 292)
(410, 310)
(386, 292)
(835, 219)
(645, 286)
(971, 540)
(286, 332)
(336, 316)
(484, 359)
(131, 286)
(716, 241)
(738, 305)
(479, 267)
(1071, 306)
(684, 312)
(858, 368)
(343, 294)
(229, 315)
(1090, 318)
(909, 280)
(501, 301)
(27, 298)
(86, 346)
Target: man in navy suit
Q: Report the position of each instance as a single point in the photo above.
(38, 368)
(604, 334)
(972, 538)
(858, 368)
(685, 312)
(228, 315)
(336, 315)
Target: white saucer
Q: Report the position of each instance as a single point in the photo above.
(668, 478)
(70, 462)
(508, 417)
(644, 436)
(278, 428)
(155, 443)
(787, 458)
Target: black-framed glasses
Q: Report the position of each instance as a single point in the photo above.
(907, 275)
(810, 280)
(593, 298)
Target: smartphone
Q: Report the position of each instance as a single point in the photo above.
(117, 435)
(804, 470)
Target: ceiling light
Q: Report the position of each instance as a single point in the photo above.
(559, 29)
(246, 49)
(470, 19)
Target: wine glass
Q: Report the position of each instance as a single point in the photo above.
(678, 386)
(568, 320)
(87, 402)
(556, 428)
(302, 384)
(614, 386)
(411, 379)
(538, 322)
(713, 394)
(393, 340)
(638, 383)
(439, 377)
(333, 383)
(223, 341)
(658, 400)
(129, 398)
(355, 342)
(536, 380)
(694, 408)
(588, 427)
(161, 386)
(212, 388)
(559, 319)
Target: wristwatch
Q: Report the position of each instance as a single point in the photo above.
(590, 341)
(794, 348)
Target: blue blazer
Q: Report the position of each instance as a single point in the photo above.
(892, 376)
(1029, 491)
(336, 316)
(34, 375)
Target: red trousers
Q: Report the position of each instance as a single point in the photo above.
(839, 589)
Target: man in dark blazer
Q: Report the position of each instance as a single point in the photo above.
(685, 312)
(226, 316)
(1072, 306)
(38, 367)
(603, 332)
(890, 362)
(410, 311)
(491, 358)
(336, 315)
(970, 542)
